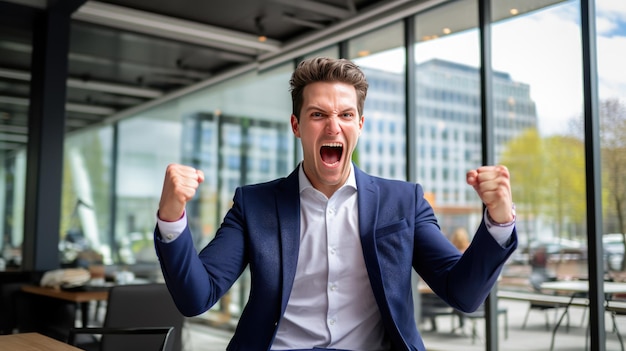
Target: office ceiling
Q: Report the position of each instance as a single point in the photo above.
(124, 53)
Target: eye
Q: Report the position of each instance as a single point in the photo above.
(347, 115)
(316, 114)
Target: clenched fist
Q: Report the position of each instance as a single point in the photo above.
(493, 186)
(179, 186)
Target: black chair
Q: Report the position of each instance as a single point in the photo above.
(479, 314)
(616, 311)
(164, 332)
(432, 307)
(537, 277)
(137, 309)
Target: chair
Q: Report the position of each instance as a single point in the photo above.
(473, 317)
(616, 310)
(138, 307)
(537, 277)
(145, 345)
(432, 307)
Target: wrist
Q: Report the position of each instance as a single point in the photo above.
(168, 219)
(500, 224)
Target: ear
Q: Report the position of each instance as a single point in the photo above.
(295, 126)
(361, 121)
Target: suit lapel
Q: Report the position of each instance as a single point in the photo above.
(369, 197)
(288, 205)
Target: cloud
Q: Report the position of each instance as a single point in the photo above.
(611, 54)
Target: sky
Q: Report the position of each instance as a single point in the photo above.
(543, 49)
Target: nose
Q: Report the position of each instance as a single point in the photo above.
(332, 125)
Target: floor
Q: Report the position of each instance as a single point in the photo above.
(202, 337)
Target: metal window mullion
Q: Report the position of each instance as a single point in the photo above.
(593, 176)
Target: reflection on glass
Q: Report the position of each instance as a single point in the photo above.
(545, 151)
(85, 200)
(449, 112)
(611, 44)
(233, 131)
(448, 142)
(381, 148)
(15, 56)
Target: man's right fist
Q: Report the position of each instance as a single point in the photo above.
(179, 186)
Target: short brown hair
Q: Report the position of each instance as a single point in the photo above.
(324, 69)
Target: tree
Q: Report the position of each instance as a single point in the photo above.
(613, 148)
(565, 184)
(548, 180)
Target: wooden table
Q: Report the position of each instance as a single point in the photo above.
(576, 288)
(80, 297)
(33, 342)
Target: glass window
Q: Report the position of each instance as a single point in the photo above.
(447, 66)
(222, 130)
(85, 201)
(380, 54)
(15, 56)
(611, 44)
(544, 155)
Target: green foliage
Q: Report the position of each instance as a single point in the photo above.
(547, 178)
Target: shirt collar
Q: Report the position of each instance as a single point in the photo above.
(304, 182)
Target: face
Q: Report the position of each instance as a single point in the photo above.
(329, 129)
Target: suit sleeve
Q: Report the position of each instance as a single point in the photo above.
(198, 281)
(462, 280)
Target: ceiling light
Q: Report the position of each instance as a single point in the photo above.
(447, 30)
(363, 53)
(120, 17)
(514, 12)
(260, 28)
(93, 85)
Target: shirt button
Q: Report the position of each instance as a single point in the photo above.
(333, 287)
(331, 321)
(170, 236)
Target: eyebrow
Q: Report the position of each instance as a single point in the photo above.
(318, 108)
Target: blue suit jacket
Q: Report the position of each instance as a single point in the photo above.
(398, 232)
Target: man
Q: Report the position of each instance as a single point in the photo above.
(330, 248)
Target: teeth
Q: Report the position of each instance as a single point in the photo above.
(332, 145)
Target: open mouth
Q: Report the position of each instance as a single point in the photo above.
(331, 153)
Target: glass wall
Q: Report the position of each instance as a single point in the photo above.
(382, 146)
(448, 135)
(448, 111)
(13, 189)
(234, 131)
(611, 46)
(539, 47)
(86, 199)
(15, 53)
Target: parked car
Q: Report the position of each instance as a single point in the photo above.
(559, 249)
(613, 245)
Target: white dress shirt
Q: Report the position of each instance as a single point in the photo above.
(331, 303)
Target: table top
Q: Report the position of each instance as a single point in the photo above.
(33, 342)
(583, 286)
(68, 295)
